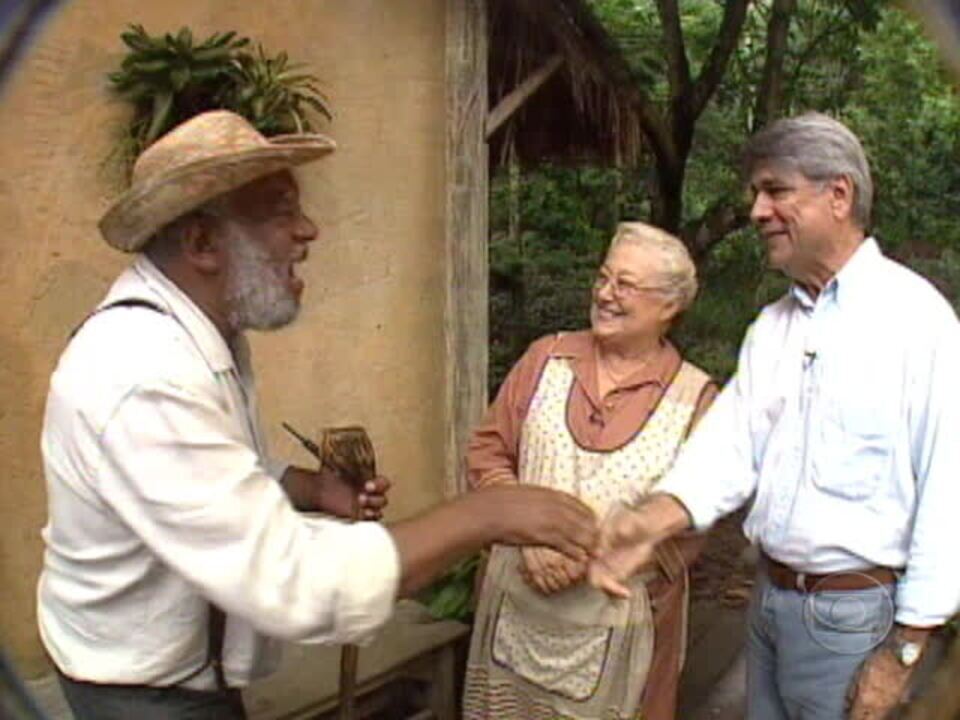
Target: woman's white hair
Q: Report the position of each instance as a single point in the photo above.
(676, 271)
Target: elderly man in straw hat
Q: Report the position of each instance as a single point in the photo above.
(173, 549)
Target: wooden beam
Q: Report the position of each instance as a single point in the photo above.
(466, 230)
(515, 99)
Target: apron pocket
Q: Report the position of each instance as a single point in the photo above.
(558, 657)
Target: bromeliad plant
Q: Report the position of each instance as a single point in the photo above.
(170, 78)
(274, 94)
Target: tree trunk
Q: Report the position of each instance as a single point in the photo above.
(770, 94)
(666, 193)
(666, 206)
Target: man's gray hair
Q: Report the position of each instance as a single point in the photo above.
(676, 271)
(166, 240)
(819, 148)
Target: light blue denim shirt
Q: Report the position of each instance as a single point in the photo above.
(843, 423)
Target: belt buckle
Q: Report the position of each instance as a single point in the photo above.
(801, 582)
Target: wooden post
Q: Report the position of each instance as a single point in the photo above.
(466, 326)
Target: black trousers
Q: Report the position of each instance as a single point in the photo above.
(94, 701)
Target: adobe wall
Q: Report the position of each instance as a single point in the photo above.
(369, 347)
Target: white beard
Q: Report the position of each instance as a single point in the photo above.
(257, 294)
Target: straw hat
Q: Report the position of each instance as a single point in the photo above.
(206, 156)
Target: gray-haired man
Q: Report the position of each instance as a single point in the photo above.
(841, 425)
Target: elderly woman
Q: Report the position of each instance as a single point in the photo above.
(599, 414)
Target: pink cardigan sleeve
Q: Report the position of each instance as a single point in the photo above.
(494, 446)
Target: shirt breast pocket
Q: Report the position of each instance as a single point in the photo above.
(856, 438)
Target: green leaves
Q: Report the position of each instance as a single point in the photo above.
(865, 61)
(162, 106)
(540, 276)
(169, 78)
(275, 94)
(906, 111)
(449, 597)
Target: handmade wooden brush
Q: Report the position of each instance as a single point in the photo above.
(348, 452)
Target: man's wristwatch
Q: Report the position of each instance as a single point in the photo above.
(906, 652)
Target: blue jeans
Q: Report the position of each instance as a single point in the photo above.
(93, 701)
(803, 649)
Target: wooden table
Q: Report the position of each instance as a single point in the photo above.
(412, 658)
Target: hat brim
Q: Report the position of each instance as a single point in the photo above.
(148, 206)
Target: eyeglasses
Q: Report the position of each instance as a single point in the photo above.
(623, 288)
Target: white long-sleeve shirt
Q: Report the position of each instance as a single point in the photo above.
(160, 500)
(843, 423)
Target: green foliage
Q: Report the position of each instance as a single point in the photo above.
(821, 67)
(274, 94)
(170, 78)
(907, 113)
(735, 285)
(636, 27)
(540, 279)
(450, 597)
(864, 61)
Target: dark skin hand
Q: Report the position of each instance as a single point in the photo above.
(325, 491)
(430, 543)
(507, 514)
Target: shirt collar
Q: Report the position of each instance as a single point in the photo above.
(580, 348)
(144, 280)
(855, 271)
(858, 269)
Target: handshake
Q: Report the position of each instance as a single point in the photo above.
(563, 543)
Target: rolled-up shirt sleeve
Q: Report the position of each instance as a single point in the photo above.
(928, 593)
(276, 468)
(180, 473)
(715, 472)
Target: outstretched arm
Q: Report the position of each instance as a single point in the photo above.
(512, 515)
(629, 537)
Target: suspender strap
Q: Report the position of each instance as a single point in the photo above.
(128, 302)
(218, 626)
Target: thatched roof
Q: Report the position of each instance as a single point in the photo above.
(584, 111)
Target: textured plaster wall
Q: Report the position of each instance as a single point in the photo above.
(369, 346)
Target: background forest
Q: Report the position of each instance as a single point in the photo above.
(709, 73)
